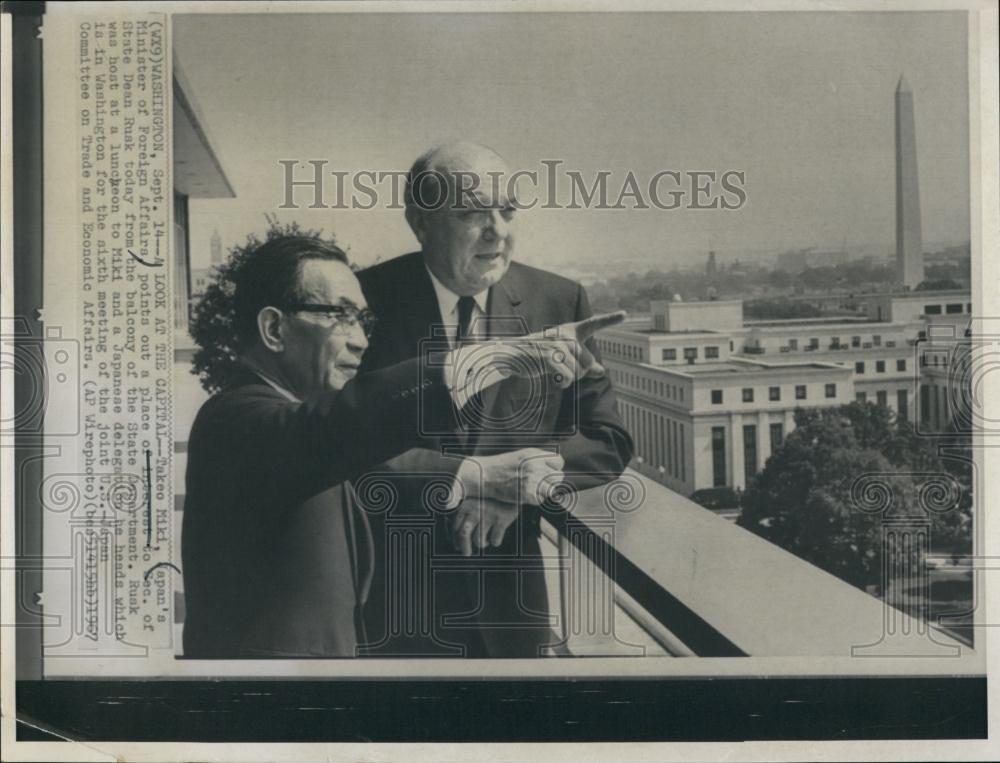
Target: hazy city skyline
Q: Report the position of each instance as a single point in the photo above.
(810, 122)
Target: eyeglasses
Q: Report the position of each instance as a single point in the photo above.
(339, 315)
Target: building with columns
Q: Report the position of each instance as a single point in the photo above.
(708, 396)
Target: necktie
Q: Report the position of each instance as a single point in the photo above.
(469, 422)
(465, 308)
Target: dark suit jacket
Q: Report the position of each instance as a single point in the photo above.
(581, 422)
(276, 558)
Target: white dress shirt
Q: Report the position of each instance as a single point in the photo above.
(448, 302)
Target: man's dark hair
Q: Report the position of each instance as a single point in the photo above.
(271, 277)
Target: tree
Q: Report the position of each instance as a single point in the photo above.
(213, 325)
(940, 284)
(779, 309)
(821, 493)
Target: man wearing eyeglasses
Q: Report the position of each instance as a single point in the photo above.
(277, 559)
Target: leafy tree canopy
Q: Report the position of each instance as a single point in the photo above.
(939, 284)
(213, 325)
(825, 494)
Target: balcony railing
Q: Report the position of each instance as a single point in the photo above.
(700, 585)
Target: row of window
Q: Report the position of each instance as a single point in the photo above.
(859, 366)
(929, 398)
(690, 353)
(934, 358)
(952, 308)
(837, 343)
(650, 386)
(622, 350)
(659, 440)
(882, 398)
(774, 393)
(750, 460)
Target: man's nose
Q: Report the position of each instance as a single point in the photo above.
(497, 225)
(357, 342)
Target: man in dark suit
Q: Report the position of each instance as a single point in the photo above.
(277, 558)
(515, 444)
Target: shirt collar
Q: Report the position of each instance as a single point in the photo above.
(448, 300)
(253, 367)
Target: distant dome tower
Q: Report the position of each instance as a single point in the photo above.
(216, 248)
(909, 247)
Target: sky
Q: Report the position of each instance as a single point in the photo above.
(802, 103)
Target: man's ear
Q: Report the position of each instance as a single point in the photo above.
(269, 329)
(415, 218)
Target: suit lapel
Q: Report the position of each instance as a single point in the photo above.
(419, 313)
(503, 319)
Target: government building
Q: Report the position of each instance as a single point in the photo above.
(708, 396)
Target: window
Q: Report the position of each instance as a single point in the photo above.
(690, 354)
(718, 456)
(877, 340)
(953, 308)
(968, 307)
(925, 404)
(677, 450)
(777, 435)
(749, 453)
(882, 397)
(901, 364)
(666, 446)
(855, 341)
(831, 390)
(670, 354)
(902, 403)
(658, 440)
(748, 394)
(711, 352)
(859, 367)
(800, 391)
(814, 343)
(683, 466)
(793, 344)
(861, 397)
(716, 397)
(774, 393)
(880, 366)
(932, 309)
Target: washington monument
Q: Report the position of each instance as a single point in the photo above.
(909, 248)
